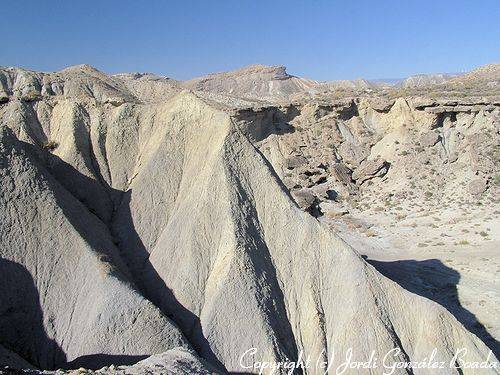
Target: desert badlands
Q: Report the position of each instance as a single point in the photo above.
(249, 221)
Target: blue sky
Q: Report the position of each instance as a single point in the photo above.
(323, 40)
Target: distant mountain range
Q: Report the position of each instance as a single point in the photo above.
(254, 82)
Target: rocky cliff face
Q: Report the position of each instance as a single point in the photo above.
(134, 228)
(411, 149)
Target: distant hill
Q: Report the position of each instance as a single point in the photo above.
(254, 81)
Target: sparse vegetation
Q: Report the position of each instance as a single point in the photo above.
(50, 145)
(31, 96)
(370, 233)
(496, 179)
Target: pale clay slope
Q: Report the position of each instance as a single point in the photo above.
(185, 206)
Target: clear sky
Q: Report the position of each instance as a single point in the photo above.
(323, 40)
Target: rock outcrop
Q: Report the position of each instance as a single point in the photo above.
(370, 169)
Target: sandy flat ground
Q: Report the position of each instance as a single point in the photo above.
(451, 256)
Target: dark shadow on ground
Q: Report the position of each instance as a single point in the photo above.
(434, 280)
(98, 361)
(21, 318)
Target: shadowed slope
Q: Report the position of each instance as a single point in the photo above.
(79, 282)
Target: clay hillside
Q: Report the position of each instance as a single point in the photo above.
(151, 225)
